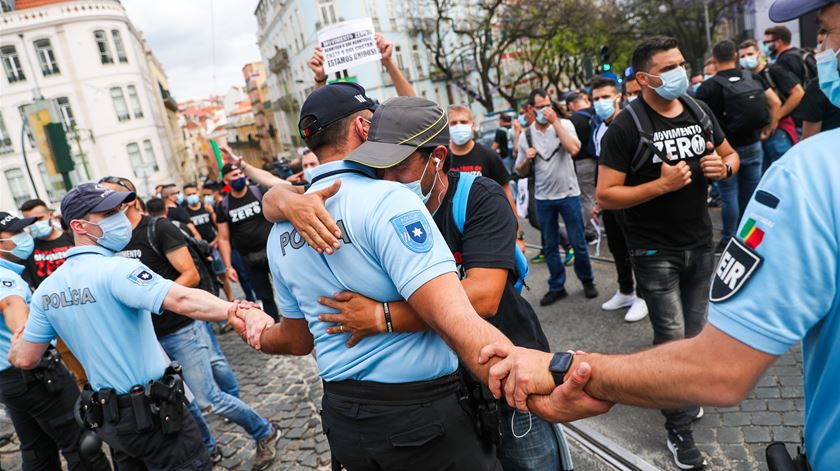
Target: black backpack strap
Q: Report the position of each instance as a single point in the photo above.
(151, 234)
(528, 138)
(645, 148)
(701, 116)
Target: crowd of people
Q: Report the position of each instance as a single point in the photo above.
(392, 251)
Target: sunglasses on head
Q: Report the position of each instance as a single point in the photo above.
(123, 182)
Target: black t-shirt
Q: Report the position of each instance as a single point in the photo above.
(791, 60)
(582, 121)
(168, 238)
(816, 107)
(488, 242)
(780, 79)
(203, 222)
(711, 92)
(678, 220)
(47, 256)
(178, 213)
(481, 161)
(501, 140)
(248, 228)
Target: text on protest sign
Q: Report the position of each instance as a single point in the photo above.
(348, 44)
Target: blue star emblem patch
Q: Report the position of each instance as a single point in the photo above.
(413, 230)
(141, 276)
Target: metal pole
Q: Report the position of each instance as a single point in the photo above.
(708, 26)
(25, 160)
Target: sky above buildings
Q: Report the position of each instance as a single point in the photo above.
(180, 32)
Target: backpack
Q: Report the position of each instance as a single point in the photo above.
(199, 251)
(459, 214)
(254, 189)
(644, 127)
(745, 106)
(589, 145)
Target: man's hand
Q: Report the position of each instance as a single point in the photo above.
(234, 159)
(232, 275)
(316, 64)
(674, 177)
(386, 48)
(712, 164)
(531, 153)
(357, 315)
(769, 130)
(550, 115)
(256, 321)
(523, 371)
(596, 212)
(309, 216)
(569, 402)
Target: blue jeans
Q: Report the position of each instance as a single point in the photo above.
(775, 147)
(736, 191)
(188, 346)
(222, 372)
(537, 450)
(549, 212)
(207, 437)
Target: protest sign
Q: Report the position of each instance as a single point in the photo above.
(348, 44)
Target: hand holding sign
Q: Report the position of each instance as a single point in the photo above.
(348, 44)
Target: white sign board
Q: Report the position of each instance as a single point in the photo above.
(348, 44)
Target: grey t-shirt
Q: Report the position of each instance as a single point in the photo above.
(555, 177)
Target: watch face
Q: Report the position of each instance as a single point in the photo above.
(560, 364)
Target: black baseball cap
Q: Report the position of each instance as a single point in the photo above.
(12, 223)
(229, 167)
(90, 198)
(786, 10)
(328, 104)
(398, 128)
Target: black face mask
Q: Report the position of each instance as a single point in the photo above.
(239, 183)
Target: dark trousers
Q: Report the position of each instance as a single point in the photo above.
(44, 423)
(675, 286)
(435, 435)
(244, 277)
(261, 282)
(618, 247)
(152, 450)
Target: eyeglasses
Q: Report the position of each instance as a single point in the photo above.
(123, 182)
(542, 107)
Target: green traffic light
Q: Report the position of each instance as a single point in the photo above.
(607, 67)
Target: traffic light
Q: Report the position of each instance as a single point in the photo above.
(605, 54)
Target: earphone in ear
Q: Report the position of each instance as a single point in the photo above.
(437, 160)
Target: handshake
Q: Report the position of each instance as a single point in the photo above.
(249, 321)
(523, 377)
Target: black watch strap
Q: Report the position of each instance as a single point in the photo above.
(559, 366)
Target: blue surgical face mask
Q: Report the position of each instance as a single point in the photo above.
(417, 187)
(116, 232)
(523, 121)
(460, 133)
(193, 199)
(540, 117)
(208, 199)
(239, 183)
(674, 84)
(749, 62)
(307, 174)
(24, 245)
(695, 87)
(180, 198)
(604, 108)
(41, 229)
(828, 75)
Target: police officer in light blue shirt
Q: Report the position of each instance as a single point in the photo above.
(39, 402)
(100, 305)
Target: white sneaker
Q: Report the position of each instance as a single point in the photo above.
(618, 301)
(638, 311)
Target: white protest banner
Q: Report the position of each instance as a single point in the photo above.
(348, 44)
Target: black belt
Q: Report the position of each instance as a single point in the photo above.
(370, 392)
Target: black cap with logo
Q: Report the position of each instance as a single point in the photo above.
(328, 104)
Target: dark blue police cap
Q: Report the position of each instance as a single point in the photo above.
(90, 198)
(786, 10)
(328, 104)
(11, 223)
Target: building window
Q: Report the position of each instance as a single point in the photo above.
(134, 157)
(119, 104)
(17, 185)
(11, 64)
(66, 113)
(415, 56)
(150, 154)
(135, 102)
(46, 57)
(119, 46)
(5, 138)
(327, 12)
(104, 49)
(7, 6)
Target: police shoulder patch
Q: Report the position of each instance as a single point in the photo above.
(141, 276)
(413, 230)
(736, 266)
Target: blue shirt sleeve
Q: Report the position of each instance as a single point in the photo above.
(38, 328)
(138, 287)
(409, 246)
(285, 300)
(793, 287)
(13, 286)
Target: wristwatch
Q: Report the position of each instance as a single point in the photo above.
(559, 366)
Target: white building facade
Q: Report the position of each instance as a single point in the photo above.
(86, 55)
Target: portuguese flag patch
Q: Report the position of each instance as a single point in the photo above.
(751, 234)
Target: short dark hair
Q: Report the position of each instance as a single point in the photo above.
(334, 135)
(212, 185)
(749, 43)
(645, 51)
(576, 96)
(155, 207)
(724, 51)
(602, 82)
(779, 32)
(506, 118)
(532, 97)
(190, 185)
(32, 204)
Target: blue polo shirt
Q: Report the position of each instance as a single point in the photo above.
(11, 284)
(390, 247)
(99, 305)
(792, 294)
